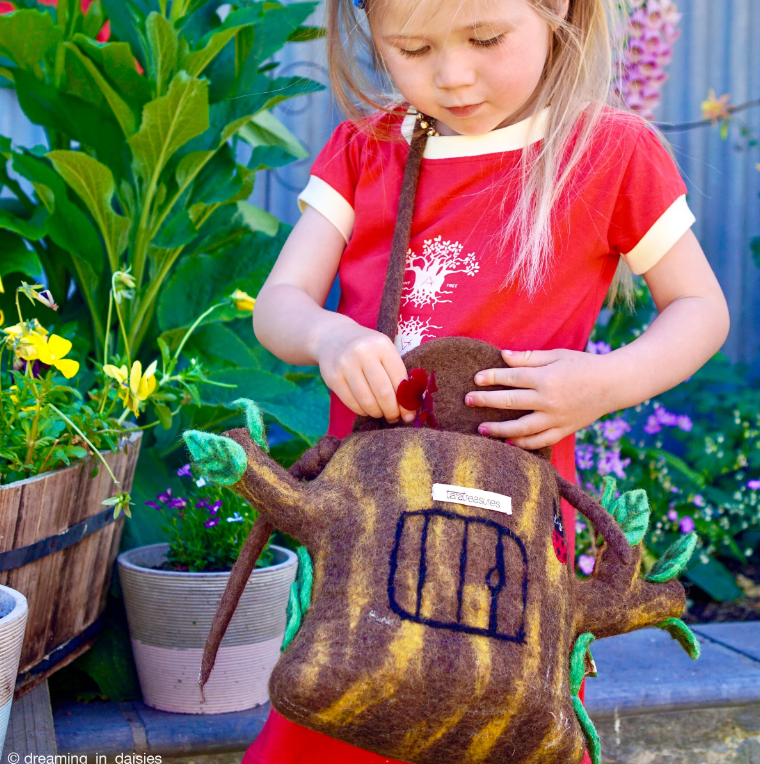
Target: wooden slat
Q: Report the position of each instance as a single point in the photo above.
(30, 728)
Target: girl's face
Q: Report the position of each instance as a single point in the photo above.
(474, 65)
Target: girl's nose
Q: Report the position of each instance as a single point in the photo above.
(454, 70)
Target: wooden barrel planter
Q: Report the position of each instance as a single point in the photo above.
(58, 544)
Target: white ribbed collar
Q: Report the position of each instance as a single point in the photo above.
(510, 138)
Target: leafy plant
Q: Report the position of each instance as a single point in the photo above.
(207, 525)
(695, 450)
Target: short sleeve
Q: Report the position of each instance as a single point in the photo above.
(651, 213)
(334, 176)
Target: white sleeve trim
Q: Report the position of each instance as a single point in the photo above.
(329, 203)
(661, 237)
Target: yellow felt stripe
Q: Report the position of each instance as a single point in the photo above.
(414, 479)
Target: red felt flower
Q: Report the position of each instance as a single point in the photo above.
(416, 394)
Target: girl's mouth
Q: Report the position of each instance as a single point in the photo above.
(463, 111)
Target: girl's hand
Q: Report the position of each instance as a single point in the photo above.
(364, 369)
(565, 389)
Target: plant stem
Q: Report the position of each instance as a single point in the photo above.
(87, 441)
(123, 330)
(192, 329)
(108, 328)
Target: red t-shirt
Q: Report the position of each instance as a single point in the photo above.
(628, 200)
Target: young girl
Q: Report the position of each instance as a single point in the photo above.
(533, 191)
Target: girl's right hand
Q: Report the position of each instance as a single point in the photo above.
(364, 369)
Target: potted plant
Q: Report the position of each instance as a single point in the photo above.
(13, 613)
(171, 593)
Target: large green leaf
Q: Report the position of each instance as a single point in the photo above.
(27, 37)
(94, 185)
(195, 62)
(674, 561)
(81, 121)
(714, 578)
(32, 228)
(265, 129)
(125, 19)
(121, 110)
(219, 343)
(169, 122)
(16, 258)
(67, 225)
(109, 662)
(203, 280)
(116, 61)
(163, 45)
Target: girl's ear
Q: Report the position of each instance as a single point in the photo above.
(563, 8)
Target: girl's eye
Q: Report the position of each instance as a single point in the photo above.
(487, 43)
(413, 53)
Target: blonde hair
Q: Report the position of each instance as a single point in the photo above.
(578, 81)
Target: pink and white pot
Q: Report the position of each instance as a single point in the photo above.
(170, 614)
(13, 614)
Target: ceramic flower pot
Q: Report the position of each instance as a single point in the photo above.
(170, 614)
(13, 613)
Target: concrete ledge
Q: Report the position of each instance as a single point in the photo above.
(641, 673)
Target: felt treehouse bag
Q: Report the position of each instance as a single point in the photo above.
(444, 623)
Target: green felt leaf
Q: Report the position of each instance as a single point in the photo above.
(578, 661)
(93, 183)
(169, 122)
(631, 510)
(683, 635)
(254, 421)
(674, 561)
(608, 493)
(593, 742)
(32, 228)
(27, 37)
(16, 258)
(218, 458)
(305, 578)
(120, 108)
(293, 617)
(715, 579)
(162, 50)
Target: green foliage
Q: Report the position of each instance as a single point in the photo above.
(683, 635)
(674, 561)
(206, 525)
(695, 450)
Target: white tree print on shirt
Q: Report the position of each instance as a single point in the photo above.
(411, 331)
(439, 260)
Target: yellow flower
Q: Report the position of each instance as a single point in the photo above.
(2, 288)
(52, 352)
(243, 301)
(14, 399)
(22, 334)
(715, 108)
(2, 315)
(134, 386)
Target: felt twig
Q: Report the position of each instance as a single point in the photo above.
(241, 572)
(599, 516)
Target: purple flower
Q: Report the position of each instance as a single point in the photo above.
(614, 429)
(580, 526)
(587, 564)
(165, 498)
(685, 423)
(672, 515)
(212, 522)
(178, 503)
(185, 471)
(153, 504)
(610, 462)
(686, 525)
(598, 348)
(215, 507)
(664, 417)
(754, 485)
(699, 500)
(652, 427)
(584, 456)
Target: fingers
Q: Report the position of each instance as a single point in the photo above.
(383, 389)
(519, 377)
(523, 400)
(516, 358)
(517, 429)
(341, 388)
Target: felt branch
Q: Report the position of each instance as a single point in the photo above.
(615, 600)
(241, 572)
(600, 518)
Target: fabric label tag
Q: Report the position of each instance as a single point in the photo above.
(472, 497)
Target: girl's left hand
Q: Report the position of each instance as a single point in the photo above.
(565, 390)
